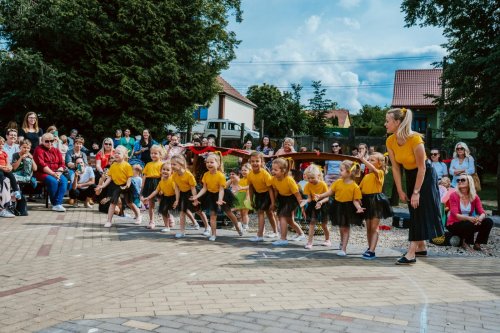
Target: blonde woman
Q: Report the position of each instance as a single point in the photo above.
(406, 148)
(462, 162)
(287, 147)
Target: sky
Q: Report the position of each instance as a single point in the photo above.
(353, 46)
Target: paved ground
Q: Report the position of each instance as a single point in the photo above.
(63, 272)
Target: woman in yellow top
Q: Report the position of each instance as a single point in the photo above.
(288, 198)
(150, 179)
(215, 196)
(166, 190)
(406, 148)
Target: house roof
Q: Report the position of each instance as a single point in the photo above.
(341, 114)
(231, 91)
(412, 85)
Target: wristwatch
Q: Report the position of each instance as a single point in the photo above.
(416, 192)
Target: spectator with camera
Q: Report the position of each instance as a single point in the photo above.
(83, 188)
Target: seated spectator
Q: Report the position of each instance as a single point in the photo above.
(118, 138)
(5, 198)
(6, 170)
(128, 142)
(94, 149)
(467, 216)
(438, 164)
(24, 165)
(71, 138)
(103, 157)
(286, 148)
(83, 188)
(70, 159)
(11, 147)
(50, 171)
(63, 145)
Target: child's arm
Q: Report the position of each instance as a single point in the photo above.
(196, 196)
(327, 194)
(359, 209)
(149, 197)
(273, 194)
(127, 185)
(367, 163)
(299, 199)
(34, 166)
(16, 164)
(221, 201)
(177, 196)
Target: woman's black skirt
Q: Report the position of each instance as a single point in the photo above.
(165, 207)
(316, 215)
(261, 201)
(344, 214)
(425, 220)
(376, 205)
(150, 185)
(286, 205)
(209, 201)
(115, 192)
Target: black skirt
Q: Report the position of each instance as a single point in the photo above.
(376, 205)
(150, 185)
(261, 201)
(209, 201)
(286, 205)
(165, 207)
(115, 192)
(425, 220)
(186, 204)
(316, 215)
(344, 214)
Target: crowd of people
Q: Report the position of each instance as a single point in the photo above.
(148, 176)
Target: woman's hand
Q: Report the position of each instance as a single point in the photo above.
(402, 196)
(415, 199)
(220, 202)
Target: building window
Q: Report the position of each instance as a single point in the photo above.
(201, 113)
(419, 123)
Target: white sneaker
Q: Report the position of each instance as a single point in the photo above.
(245, 227)
(207, 232)
(107, 225)
(271, 235)
(212, 238)
(240, 228)
(280, 242)
(58, 208)
(138, 220)
(299, 238)
(5, 213)
(341, 253)
(165, 230)
(256, 239)
(180, 235)
(196, 226)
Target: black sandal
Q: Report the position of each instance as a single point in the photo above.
(405, 261)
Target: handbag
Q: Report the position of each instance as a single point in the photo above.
(475, 178)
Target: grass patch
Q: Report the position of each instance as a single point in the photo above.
(230, 162)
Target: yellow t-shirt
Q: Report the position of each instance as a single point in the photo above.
(372, 183)
(260, 181)
(345, 192)
(152, 169)
(167, 187)
(286, 186)
(404, 154)
(242, 183)
(120, 172)
(214, 181)
(311, 189)
(184, 182)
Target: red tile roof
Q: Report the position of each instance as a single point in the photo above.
(229, 90)
(341, 114)
(412, 85)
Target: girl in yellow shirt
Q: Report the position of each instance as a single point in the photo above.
(315, 211)
(215, 195)
(238, 183)
(150, 179)
(288, 198)
(165, 189)
(119, 179)
(346, 208)
(185, 187)
(374, 201)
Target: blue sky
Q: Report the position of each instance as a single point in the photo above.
(313, 35)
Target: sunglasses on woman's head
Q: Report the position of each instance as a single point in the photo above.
(460, 148)
(461, 180)
(335, 146)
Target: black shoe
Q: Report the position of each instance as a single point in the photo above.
(405, 261)
(418, 254)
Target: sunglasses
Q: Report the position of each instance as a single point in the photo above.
(108, 144)
(335, 146)
(434, 154)
(460, 148)
(461, 180)
(49, 141)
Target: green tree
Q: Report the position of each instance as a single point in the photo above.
(318, 107)
(98, 65)
(371, 117)
(470, 74)
(281, 112)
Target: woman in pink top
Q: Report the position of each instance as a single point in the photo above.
(467, 215)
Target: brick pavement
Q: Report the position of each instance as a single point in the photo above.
(65, 273)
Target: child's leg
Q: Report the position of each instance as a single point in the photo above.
(260, 229)
(191, 217)
(171, 221)
(244, 217)
(203, 217)
(182, 222)
(13, 181)
(312, 225)
(233, 219)
(272, 220)
(134, 208)
(111, 211)
(291, 222)
(373, 235)
(283, 226)
(344, 236)
(151, 211)
(165, 220)
(213, 222)
(324, 225)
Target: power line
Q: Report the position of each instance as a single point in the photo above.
(330, 61)
(360, 86)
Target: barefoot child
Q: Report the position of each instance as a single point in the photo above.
(119, 179)
(185, 187)
(166, 190)
(347, 203)
(150, 180)
(215, 195)
(239, 187)
(375, 202)
(261, 195)
(315, 210)
(288, 198)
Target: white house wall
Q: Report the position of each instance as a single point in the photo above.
(239, 112)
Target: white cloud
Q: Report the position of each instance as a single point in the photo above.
(313, 23)
(351, 23)
(349, 3)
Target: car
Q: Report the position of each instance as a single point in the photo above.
(228, 128)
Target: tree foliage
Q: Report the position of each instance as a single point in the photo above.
(97, 65)
(318, 107)
(470, 74)
(281, 112)
(372, 117)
